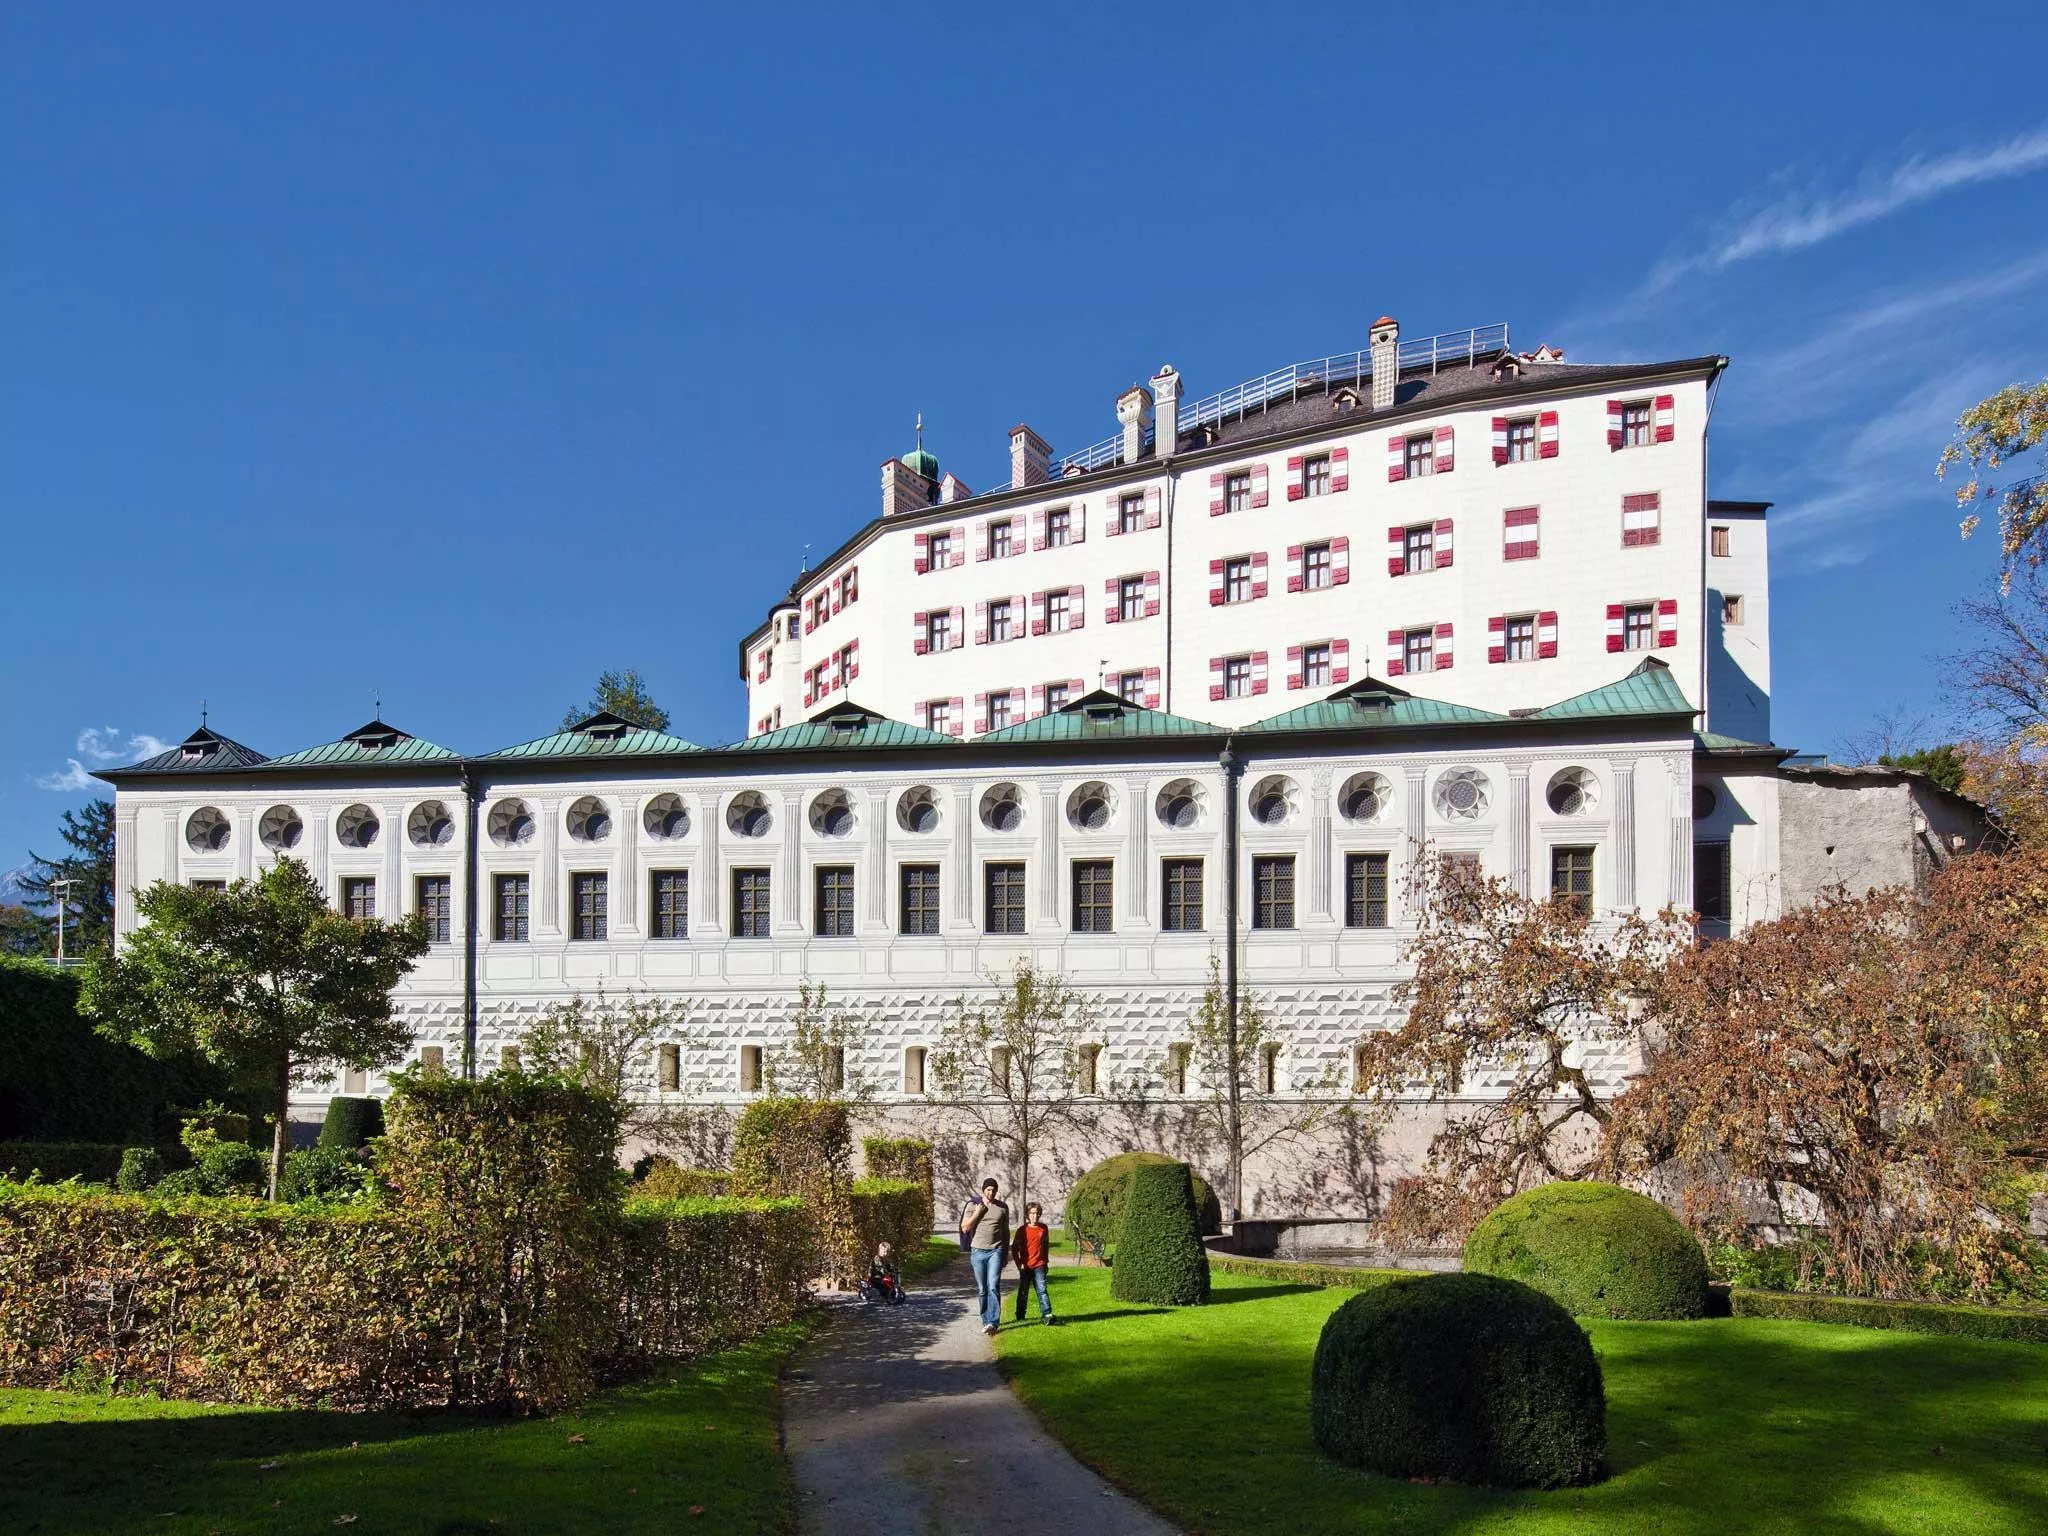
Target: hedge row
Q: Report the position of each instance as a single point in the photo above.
(904, 1157)
(895, 1211)
(55, 1161)
(242, 1301)
(1285, 1272)
(1908, 1316)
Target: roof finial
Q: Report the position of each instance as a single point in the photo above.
(202, 714)
(377, 708)
(807, 559)
(920, 431)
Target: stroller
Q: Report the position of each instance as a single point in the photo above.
(884, 1285)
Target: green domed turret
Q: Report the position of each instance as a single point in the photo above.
(926, 464)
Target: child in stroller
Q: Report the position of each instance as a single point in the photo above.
(885, 1282)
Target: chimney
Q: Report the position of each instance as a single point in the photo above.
(1166, 395)
(1386, 361)
(1030, 458)
(953, 488)
(904, 489)
(1133, 408)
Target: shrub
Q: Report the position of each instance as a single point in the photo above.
(1290, 1272)
(904, 1157)
(1160, 1257)
(1467, 1377)
(1596, 1249)
(179, 1184)
(706, 1274)
(351, 1122)
(1096, 1203)
(891, 1211)
(662, 1178)
(141, 1168)
(225, 1124)
(1906, 1316)
(803, 1147)
(55, 1161)
(323, 1173)
(232, 1168)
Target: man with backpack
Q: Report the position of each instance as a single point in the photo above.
(985, 1234)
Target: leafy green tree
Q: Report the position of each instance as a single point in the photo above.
(622, 693)
(263, 978)
(20, 932)
(89, 901)
(1943, 764)
(1991, 435)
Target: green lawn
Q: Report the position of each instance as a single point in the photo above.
(1738, 1425)
(692, 1448)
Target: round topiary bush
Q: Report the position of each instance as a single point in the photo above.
(351, 1121)
(1596, 1249)
(1467, 1377)
(1096, 1203)
(1160, 1257)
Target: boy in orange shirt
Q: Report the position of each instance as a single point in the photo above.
(1031, 1251)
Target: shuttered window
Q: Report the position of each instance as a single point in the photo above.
(1521, 440)
(1315, 666)
(1638, 627)
(1058, 524)
(1237, 491)
(1315, 475)
(1315, 567)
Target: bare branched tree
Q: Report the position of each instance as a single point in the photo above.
(819, 1061)
(614, 1043)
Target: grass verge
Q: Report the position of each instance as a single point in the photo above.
(697, 1446)
(1738, 1425)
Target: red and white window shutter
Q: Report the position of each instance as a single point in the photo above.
(1397, 457)
(851, 657)
(1519, 533)
(981, 626)
(1340, 662)
(1293, 667)
(980, 713)
(922, 548)
(1397, 652)
(1664, 415)
(1617, 623)
(1443, 460)
(1295, 488)
(1258, 575)
(1151, 594)
(1640, 519)
(1151, 687)
(1667, 621)
(1496, 640)
(1038, 620)
(1112, 590)
(1258, 671)
(959, 617)
(958, 540)
(1216, 585)
(981, 538)
(1259, 485)
(1340, 469)
(1442, 659)
(923, 640)
(1500, 439)
(1296, 580)
(1019, 606)
(1340, 560)
(1215, 677)
(1546, 634)
(1442, 554)
(1614, 414)
(1038, 530)
(1217, 506)
(1546, 435)
(1077, 607)
(1397, 550)
(1037, 700)
(1153, 503)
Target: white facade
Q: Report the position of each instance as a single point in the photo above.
(1560, 537)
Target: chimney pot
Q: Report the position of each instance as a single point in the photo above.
(1166, 398)
(1134, 409)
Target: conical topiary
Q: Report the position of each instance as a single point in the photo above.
(1160, 1258)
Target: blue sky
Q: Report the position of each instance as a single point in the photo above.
(446, 355)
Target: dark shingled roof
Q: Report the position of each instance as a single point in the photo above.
(204, 751)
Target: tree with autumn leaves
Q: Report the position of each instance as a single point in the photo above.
(1878, 1062)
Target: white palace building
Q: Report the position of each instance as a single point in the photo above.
(1433, 594)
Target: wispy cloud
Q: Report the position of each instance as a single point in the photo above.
(100, 746)
(1797, 221)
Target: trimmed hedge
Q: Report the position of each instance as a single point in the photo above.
(1289, 1272)
(142, 1168)
(1467, 1377)
(351, 1122)
(63, 1081)
(903, 1157)
(1096, 1203)
(1960, 1322)
(891, 1211)
(56, 1161)
(1596, 1249)
(361, 1307)
(803, 1147)
(665, 1179)
(1160, 1257)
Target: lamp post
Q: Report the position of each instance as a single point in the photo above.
(61, 889)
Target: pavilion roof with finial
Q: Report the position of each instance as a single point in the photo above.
(204, 751)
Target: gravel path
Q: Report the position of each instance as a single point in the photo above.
(897, 1424)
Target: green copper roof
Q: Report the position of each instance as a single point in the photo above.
(203, 751)
(845, 727)
(1714, 741)
(1649, 690)
(924, 463)
(372, 743)
(1099, 716)
(602, 735)
(1371, 705)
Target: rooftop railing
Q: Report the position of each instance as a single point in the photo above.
(1467, 346)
